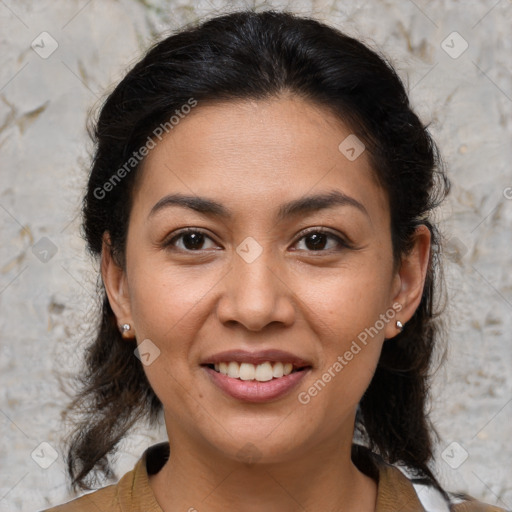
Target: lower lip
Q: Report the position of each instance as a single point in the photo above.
(254, 391)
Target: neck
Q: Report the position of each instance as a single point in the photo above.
(320, 479)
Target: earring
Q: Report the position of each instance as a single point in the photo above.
(399, 325)
(125, 328)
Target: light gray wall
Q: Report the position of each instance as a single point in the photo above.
(44, 152)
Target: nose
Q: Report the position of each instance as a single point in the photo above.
(256, 294)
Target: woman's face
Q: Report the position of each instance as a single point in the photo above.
(257, 275)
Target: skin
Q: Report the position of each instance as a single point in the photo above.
(253, 156)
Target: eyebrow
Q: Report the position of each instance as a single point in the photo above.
(301, 206)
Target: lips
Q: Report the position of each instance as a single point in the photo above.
(257, 391)
(253, 390)
(259, 357)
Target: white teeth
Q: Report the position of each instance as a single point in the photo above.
(264, 372)
(233, 369)
(278, 370)
(247, 371)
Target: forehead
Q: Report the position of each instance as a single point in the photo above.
(255, 152)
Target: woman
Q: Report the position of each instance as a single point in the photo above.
(260, 199)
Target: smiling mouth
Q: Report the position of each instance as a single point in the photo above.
(249, 372)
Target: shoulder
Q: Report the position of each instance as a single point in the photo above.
(397, 486)
(106, 499)
(132, 492)
(432, 499)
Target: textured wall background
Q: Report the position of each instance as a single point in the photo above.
(47, 283)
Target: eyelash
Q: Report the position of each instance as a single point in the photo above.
(341, 242)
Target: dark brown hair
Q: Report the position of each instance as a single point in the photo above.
(249, 55)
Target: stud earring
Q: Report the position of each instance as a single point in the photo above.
(125, 328)
(399, 325)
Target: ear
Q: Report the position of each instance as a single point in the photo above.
(115, 282)
(410, 279)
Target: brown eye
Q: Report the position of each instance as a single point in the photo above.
(191, 240)
(318, 240)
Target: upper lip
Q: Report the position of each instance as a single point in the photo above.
(259, 357)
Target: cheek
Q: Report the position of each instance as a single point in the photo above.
(164, 299)
(349, 313)
(167, 308)
(346, 301)
(345, 314)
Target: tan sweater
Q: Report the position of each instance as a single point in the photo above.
(132, 493)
